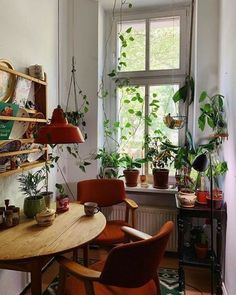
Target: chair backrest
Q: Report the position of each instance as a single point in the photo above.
(105, 192)
(133, 265)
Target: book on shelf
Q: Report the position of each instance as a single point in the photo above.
(7, 109)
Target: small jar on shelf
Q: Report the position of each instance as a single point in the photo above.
(8, 218)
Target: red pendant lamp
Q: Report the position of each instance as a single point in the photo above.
(59, 131)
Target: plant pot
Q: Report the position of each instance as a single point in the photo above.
(110, 172)
(201, 250)
(131, 177)
(216, 202)
(202, 197)
(160, 178)
(33, 206)
(62, 203)
(187, 198)
(47, 197)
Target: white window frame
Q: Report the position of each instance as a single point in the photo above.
(153, 77)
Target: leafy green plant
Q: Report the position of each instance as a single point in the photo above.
(212, 113)
(199, 235)
(31, 183)
(60, 189)
(158, 151)
(187, 90)
(129, 163)
(109, 159)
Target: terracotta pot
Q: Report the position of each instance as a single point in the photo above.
(202, 197)
(201, 250)
(217, 202)
(131, 177)
(160, 178)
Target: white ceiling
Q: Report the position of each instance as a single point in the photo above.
(108, 4)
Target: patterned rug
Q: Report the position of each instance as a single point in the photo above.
(168, 281)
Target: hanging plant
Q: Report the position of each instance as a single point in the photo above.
(212, 112)
(77, 116)
(174, 122)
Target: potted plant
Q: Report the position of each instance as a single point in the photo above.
(131, 173)
(200, 242)
(182, 159)
(62, 200)
(212, 113)
(30, 186)
(160, 155)
(110, 163)
(49, 163)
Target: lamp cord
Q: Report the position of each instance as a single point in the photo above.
(58, 52)
(212, 258)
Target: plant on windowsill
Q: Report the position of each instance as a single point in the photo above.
(182, 159)
(131, 173)
(31, 185)
(160, 156)
(109, 163)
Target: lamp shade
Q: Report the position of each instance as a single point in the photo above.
(59, 131)
(200, 163)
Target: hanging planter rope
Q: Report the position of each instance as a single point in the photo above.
(77, 117)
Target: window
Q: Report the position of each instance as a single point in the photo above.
(154, 61)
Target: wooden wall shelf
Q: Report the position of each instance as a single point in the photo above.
(10, 118)
(22, 75)
(40, 95)
(24, 167)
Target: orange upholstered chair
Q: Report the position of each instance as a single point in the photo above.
(108, 192)
(130, 269)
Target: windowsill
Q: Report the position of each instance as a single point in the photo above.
(150, 189)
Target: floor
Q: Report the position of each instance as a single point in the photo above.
(197, 279)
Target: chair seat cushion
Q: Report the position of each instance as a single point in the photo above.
(112, 234)
(76, 287)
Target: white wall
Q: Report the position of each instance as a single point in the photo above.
(206, 52)
(28, 31)
(227, 79)
(79, 37)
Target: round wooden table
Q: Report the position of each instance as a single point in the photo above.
(27, 246)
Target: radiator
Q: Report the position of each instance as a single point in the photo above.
(149, 220)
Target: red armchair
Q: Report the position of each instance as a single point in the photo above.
(130, 269)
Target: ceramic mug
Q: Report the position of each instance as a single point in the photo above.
(91, 208)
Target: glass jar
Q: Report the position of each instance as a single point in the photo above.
(9, 218)
(1, 217)
(16, 216)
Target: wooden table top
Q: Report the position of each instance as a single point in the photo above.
(69, 230)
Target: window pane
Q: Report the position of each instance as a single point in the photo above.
(132, 125)
(164, 96)
(135, 50)
(165, 43)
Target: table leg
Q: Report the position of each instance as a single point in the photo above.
(36, 278)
